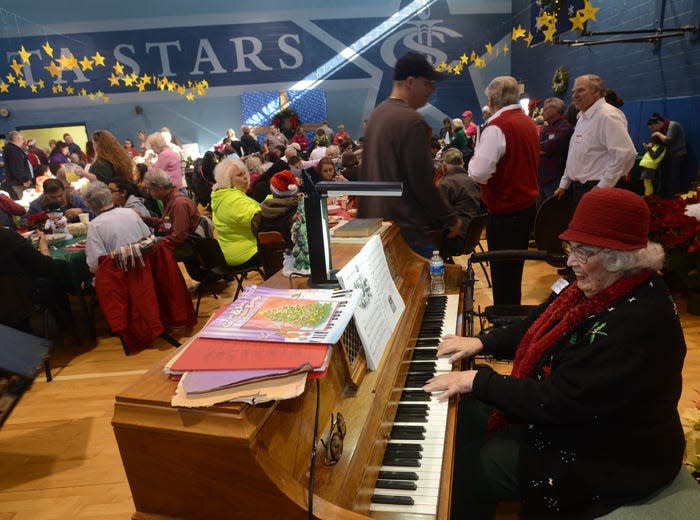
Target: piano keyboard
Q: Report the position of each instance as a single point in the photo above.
(409, 479)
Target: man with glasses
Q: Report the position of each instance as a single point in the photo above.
(396, 147)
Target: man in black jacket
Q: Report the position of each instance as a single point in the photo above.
(18, 172)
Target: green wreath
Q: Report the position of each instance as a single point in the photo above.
(560, 81)
(287, 121)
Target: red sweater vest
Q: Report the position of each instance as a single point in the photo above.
(513, 187)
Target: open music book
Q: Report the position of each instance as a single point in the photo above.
(285, 315)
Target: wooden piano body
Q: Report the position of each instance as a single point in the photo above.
(241, 461)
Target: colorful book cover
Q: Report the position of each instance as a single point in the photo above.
(285, 315)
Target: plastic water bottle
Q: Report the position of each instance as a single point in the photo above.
(437, 274)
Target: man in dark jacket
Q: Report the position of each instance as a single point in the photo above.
(18, 172)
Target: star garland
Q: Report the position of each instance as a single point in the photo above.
(120, 77)
(546, 23)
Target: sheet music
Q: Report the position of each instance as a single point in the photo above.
(380, 304)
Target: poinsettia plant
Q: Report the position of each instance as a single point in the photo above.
(37, 220)
(679, 234)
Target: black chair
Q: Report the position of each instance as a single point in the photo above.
(552, 219)
(210, 267)
(474, 232)
(271, 248)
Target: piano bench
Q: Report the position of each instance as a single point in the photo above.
(679, 499)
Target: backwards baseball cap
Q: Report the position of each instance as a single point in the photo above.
(416, 65)
(284, 184)
(452, 156)
(612, 218)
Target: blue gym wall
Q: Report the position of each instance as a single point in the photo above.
(651, 77)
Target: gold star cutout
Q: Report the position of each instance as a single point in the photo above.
(480, 63)
(22, 82)
(190, 97)
(33, 87)
(86, 63)
(59, 88)
(72, 62)
(41, 83)
(48, 49)
(92, 97)
(113, 81)
(464, 58)
(24, 54)
(118, 68)
(146, 79)
(83, 92)
(128, 81)
(142, 87)
(181, 90)
(134, 77)
(171, 86)
(528, 39)
(4, 87)
(204, 83)
(588, 10)
(99, 59)
(16, 67)
(473, 56)
(489, 48)
(161, 84)
(578, 21)
(99, 93)
(505, 49)
(11, 79)
(189, 83)
(70, 91)
(549, 33)
(518, 32)
(54, 69)
(54, 89)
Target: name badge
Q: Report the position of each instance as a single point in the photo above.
(559, 285)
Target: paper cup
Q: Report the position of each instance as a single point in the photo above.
(84, 218)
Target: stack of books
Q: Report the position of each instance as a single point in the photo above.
(261, 347)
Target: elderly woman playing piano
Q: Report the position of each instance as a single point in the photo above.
(588, 419)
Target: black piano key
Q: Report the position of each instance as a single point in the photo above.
(415, 395)
(406, 485)
(403, 454)
(404, 446)
(411, 435)
(391, 499)
(414, 407)
(404, 463)
(397, 475)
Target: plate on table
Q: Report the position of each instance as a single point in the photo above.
(333, 209)
(333, 220)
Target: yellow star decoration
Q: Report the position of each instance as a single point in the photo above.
(24, 54)
(473, 56)
(54, 69)
(146, 79)
(518, 32)
(190, 97)
(142, 87)
(457, 69)
(86, 63)
(92, 97)
(59, 88)
(128, 81)
(464, 59)
(588, 10)
(16, 67)
(83, 92)
(41, 83)
(70, 91)
(64, 61)
(54, 89)
(528, 39)
(4, 87)
(113, 81)
(11, 79)
(134, 77)
(181, 90)
(72, 62)
(171, 86)
(479, 62)
(204, 83)
(99, 93)
(98, 59)
(118, 68)
(22, 82)
(549, 33)
(48, 49)
(505, 49)
(33, 87)
(489, 48)
(578, 21)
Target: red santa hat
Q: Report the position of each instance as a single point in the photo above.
(284, 184)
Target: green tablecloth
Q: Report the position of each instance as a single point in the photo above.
(73, 264)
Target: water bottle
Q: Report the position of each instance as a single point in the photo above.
(167, 225)
(437, 274)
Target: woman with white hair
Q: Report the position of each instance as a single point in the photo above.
(233, 212)
(168, 160)
(459, 137)
(588, 420)
(112, 228)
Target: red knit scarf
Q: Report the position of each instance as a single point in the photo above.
(565, 313)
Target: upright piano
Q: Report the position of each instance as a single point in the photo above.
(239, 461)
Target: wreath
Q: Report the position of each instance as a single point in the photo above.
(287, 121)
(560, 81)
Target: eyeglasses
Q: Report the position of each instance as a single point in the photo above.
(581, 253)
(334, 443)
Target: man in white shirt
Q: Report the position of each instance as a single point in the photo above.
(601, 150)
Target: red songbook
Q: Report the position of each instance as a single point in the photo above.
(220, 354)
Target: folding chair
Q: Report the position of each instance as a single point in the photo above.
(271, 248)
(212, 267)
